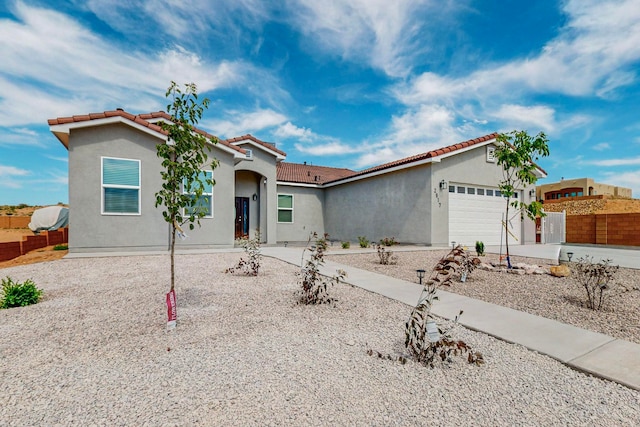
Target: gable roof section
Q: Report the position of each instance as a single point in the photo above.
(252, 140)
(309, 174)
(418, 159)
(147, 123)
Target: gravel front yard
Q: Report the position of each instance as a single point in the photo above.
(555, 298)
(95, 352)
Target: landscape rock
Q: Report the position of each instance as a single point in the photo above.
(560, 270)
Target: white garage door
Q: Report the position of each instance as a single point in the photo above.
(475, 213)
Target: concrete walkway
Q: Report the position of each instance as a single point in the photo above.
(601, 355)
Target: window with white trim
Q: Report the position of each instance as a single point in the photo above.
(120, 186)
(285, 208)
(205, 201)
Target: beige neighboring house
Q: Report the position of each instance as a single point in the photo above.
(577, 188)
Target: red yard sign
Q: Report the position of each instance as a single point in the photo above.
(171, 310)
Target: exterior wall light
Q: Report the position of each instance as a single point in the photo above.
(569, 255)
(443, 184)
(254, 197)
(420, 274)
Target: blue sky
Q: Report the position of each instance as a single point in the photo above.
(344, 83)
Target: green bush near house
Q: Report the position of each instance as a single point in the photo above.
(60, 247)
(346, 245)
(364, 242)
(15, 294)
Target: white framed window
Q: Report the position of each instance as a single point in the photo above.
(248, 153)
(120, 186)
(285, 208)
(491, 154)
(205, 201)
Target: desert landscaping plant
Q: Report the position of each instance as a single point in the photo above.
(363, 241)
(313, 285)
(386, 256)
(480, 248)
(346, 245)
(426, 341)
(388, 241)
(16, 294)
(516, 153)
(323, 242)
(184, 157)
(595, 278)
(62, 247)
(251, 265)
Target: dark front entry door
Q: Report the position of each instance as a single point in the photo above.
(242, 217)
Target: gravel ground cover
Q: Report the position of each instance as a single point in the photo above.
(558, 298)
(95, 352)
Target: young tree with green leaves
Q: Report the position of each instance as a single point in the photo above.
(184, 156)
(516, 153)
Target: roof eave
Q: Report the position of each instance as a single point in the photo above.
(65, 128)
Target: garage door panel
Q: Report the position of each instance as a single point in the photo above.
(475, 217)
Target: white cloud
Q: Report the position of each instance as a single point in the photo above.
(416, 131)
(518, 116)
(630, 179)
(12, 177)
(383, 33)
(58, 67)
(602, 146)
(239, 123)
(593, 55)
(627, 161)
(18, 136)
(289, 130)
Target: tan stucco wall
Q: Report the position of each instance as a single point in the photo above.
(588, 185)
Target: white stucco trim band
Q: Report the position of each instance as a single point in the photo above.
(299, 184)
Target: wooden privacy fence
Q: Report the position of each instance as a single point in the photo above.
(604, 229)
(11, 250)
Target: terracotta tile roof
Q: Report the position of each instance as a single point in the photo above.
(257, 141)
(141, 119)
(309, 174)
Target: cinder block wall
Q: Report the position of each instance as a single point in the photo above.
(11, 250)
(14, 221)
(604, 229)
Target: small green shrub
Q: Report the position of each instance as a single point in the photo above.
(364, 242)
(61, 247)
(323, 242)
(15, 294)
(346, 245)
(388, 241)
(479, 248)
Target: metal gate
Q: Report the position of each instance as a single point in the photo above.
(553, 227)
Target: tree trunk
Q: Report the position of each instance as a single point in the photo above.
(173, 250)
(506, 233)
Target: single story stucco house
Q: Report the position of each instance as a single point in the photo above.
(434, 198)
